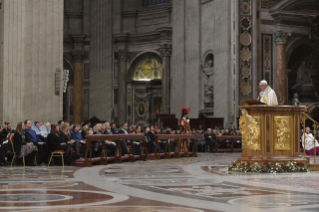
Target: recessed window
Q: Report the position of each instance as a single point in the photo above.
(154, 2)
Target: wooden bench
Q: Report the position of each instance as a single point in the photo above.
(177, 150)
(228, 137)
(88, 160)
(118, 158)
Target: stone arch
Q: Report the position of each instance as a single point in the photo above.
(303, 50)
(298, 42)
(138, 58)
(290, 4)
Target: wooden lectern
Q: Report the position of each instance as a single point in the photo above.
(271, 133)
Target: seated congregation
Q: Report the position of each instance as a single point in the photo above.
(33, 143)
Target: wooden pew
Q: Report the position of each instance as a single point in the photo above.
(177, 150)
(227, 137)
(118, 152)
(188, 137)
(165, 137)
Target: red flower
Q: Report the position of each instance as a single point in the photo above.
(264, 163)
(234, 164)
(301, 164)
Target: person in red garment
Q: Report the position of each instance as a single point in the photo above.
(184, 127)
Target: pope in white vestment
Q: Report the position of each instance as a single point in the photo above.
(267, 95)
(308, 137)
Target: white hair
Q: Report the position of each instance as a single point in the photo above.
(264, 82)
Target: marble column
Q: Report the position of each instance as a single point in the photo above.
(281, 39)
(166, 51)
(78, 56)
(122, 56)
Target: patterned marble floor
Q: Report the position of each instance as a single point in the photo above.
(177, 185)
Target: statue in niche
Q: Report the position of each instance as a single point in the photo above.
(208, 72)
(303, 77)
(295, 101)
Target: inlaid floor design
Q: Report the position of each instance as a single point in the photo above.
(175, 185)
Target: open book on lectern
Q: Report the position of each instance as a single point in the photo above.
(252, 102)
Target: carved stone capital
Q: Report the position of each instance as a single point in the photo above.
(122, 54)
(79, 54)
(165, 50)
(282, 37)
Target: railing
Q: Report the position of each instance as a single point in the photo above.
(102, 160)
(315, 128)
(227, 137)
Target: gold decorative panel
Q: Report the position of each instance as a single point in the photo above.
(148, 69)
(282, 132)
(250, 129)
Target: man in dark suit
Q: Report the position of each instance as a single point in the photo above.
(123, 143)
(113, 128)
(210, 139)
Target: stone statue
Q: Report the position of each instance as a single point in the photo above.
(303, 77)
(295, 101)
(208, 71)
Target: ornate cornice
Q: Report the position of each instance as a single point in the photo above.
(79, 54)
(165, 50)
(122, 54)
(282, 37)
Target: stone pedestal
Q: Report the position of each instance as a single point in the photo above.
(123, 56)
(281, 74)
(166, 51)
(78, 55)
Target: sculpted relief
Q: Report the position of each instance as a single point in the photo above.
(208, 71)
(303, 77)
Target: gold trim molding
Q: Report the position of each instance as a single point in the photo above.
(250, 129)
(282, 132)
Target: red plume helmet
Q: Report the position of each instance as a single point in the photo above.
(185, 110)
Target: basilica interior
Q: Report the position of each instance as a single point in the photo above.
(151, 105)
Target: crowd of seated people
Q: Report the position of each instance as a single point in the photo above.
(42, 138)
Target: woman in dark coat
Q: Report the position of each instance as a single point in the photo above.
(57, 142)
(23, 148)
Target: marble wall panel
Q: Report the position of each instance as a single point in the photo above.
(101, 60)
(31, 52)
(178, 94)
(216, 37)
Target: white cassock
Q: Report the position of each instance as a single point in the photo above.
(309, 141)
(268, 96)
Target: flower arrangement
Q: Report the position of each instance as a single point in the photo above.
(268, 167)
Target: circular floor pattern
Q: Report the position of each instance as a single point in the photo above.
(32, 198)
(172, 181)
(20, 185)
(277, 200)
(141, 170)
(125, 208)
(28, 171)
(55, 198)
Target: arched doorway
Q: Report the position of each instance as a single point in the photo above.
(144, 90)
